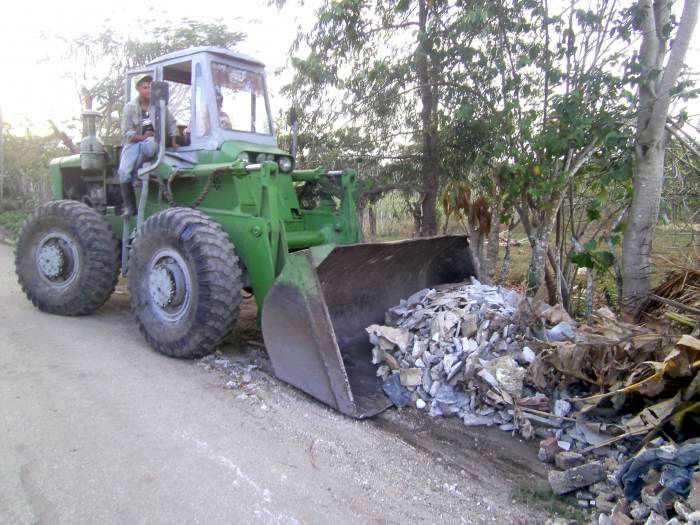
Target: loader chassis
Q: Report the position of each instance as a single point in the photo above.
(221, 214)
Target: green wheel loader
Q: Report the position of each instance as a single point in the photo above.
(219, 214)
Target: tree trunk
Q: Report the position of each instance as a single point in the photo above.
(644, 213)
(492, 254)
(372, 222)
(654, 101)
(506, 257)
(539, 242)
(429, 168)
(535, 271)
(476, 245)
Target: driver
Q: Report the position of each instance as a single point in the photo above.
(224, 120)
(138, 139)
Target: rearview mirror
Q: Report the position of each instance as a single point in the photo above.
(159, 91)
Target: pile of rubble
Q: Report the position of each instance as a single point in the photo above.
(597, 396)
(677, 298)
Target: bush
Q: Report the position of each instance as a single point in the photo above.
(11, 222)
(12, 204)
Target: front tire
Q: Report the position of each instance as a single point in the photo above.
(184, 283)
(67, 259)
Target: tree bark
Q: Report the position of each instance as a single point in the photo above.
(506, 257)
(429, 168)
(493, 247)
(372, 222)
(654, 101)
(476, 244)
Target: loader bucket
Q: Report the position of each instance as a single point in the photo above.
(315, 314)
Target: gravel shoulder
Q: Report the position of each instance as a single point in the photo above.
(97, 427)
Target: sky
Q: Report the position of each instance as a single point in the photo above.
(34, 87)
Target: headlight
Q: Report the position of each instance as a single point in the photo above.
(243, 156)
(285, 164)
(262, 157)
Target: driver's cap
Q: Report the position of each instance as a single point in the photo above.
(145, 77)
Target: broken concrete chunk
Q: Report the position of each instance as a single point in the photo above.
(548, 450)
(564, 445)
(419, 346)
(388, 337)
(603, 504)
(383, 371)
(562, 408)
(396, 392)
(639, 511)
(443, 325)
(508, 374)
(454, 370)
(681, 510)
(448, 361)
(527, 355)
(474, 420)
(575, 478)
(411, 376)
(469, 325)
(377, 355)
(566, 460)
(694, 518)
(561, 332)
(694, 495)
(655, 519)
(619, 517)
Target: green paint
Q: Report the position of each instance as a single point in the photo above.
(258, 209)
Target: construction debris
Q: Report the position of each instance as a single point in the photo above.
(598, 396)
(576, 477)
(676, 299)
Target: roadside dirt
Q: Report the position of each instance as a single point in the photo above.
(97, 427)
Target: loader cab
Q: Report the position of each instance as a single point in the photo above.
(216, 95)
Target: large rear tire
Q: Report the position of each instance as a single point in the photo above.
(67, 258)
(184, 283)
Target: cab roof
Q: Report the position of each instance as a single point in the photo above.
(219, 51)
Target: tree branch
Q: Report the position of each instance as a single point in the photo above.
(63, 137)
(672, 70)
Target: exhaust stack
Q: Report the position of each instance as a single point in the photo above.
(92, 152)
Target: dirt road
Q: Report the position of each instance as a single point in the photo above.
(97, 428)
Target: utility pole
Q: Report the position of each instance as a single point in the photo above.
(2, 159)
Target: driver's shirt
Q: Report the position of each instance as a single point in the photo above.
(146, 123)
(133, 121)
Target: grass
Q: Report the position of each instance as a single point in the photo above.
(541, 496)
(11, 222)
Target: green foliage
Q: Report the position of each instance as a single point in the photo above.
(26, 166)
(11, 223)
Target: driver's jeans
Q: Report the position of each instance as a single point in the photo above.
(133, 156)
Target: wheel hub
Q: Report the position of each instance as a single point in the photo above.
(161, 285)
(50, 260)
(169, 285)
(57, 259)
